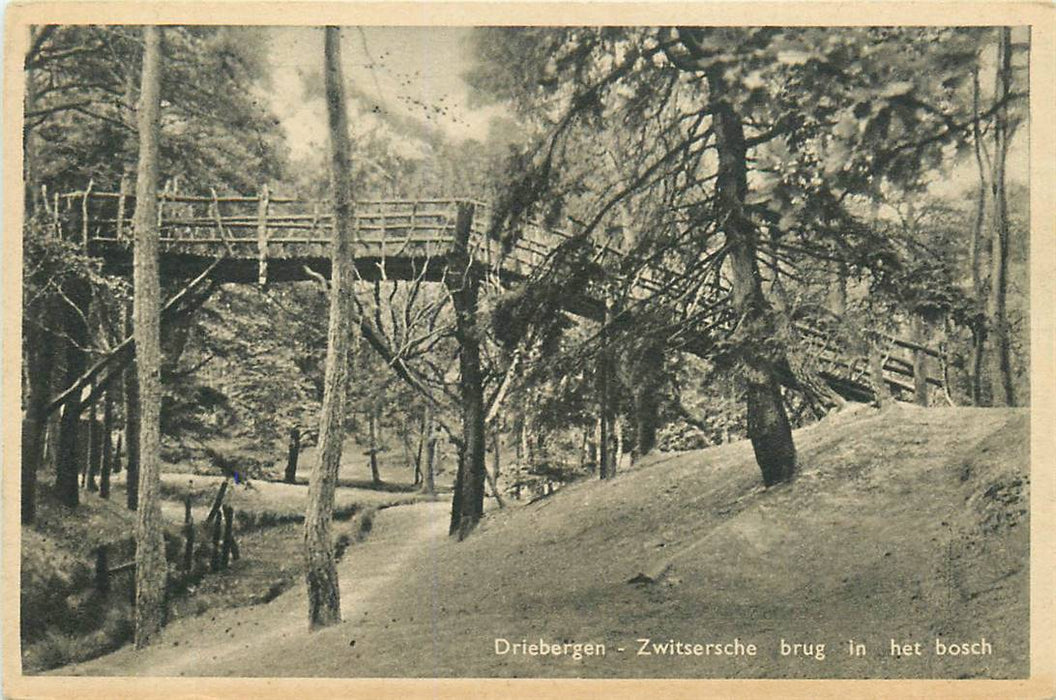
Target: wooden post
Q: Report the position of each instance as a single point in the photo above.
(262, 236)
(102, 571)
(84, 213)
(920, 362)
(214, 510)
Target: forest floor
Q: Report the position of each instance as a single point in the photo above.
(66, 621)
(908, 526)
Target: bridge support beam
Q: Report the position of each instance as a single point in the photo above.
(464, 285)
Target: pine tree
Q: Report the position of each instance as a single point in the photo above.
(150, 545)
(324, 597)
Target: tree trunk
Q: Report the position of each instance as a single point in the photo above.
(606, 411)
(595, 463)
(768, 426)
(646, 402)
(108, 446)
(70, 455)
(118, 447)
(524, 458)
(290, 476)
(423, 436)
(979, 251)
(429, 477)
(324, 598)
(456, 497)
(496, 445)
(372, 427)
(95, 448)
(464, 286)
(39, 361)
(131, 426)
(30, 194)
(150, 545)
(1001, 358)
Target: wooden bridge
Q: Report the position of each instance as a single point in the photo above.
(264, 239)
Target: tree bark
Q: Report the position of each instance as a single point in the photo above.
(768, 426)
(1002, 390)
(324, 598)
(151, 566)
(290, 476)
(464, 287)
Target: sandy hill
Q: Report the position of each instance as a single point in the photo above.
(911, 525)
(907, 527)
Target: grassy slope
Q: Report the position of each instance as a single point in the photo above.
(910, 525)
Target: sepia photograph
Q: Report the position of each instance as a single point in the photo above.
(492, 350)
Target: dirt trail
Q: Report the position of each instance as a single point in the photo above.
(273, 639)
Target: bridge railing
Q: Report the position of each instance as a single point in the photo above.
(252, 224)
(108, 216)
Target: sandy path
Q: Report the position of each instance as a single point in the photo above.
(273, 639)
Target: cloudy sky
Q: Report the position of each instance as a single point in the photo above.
(417, 72)
(407, 71)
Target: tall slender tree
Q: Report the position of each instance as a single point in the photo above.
(150, 545)
(1001, 357)
(324, 598)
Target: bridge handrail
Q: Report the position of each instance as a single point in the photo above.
(422, 221)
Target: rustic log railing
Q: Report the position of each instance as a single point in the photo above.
(265, 228)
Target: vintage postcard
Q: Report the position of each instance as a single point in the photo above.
(491, 349)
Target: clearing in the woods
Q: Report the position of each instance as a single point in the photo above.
(907, 526)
